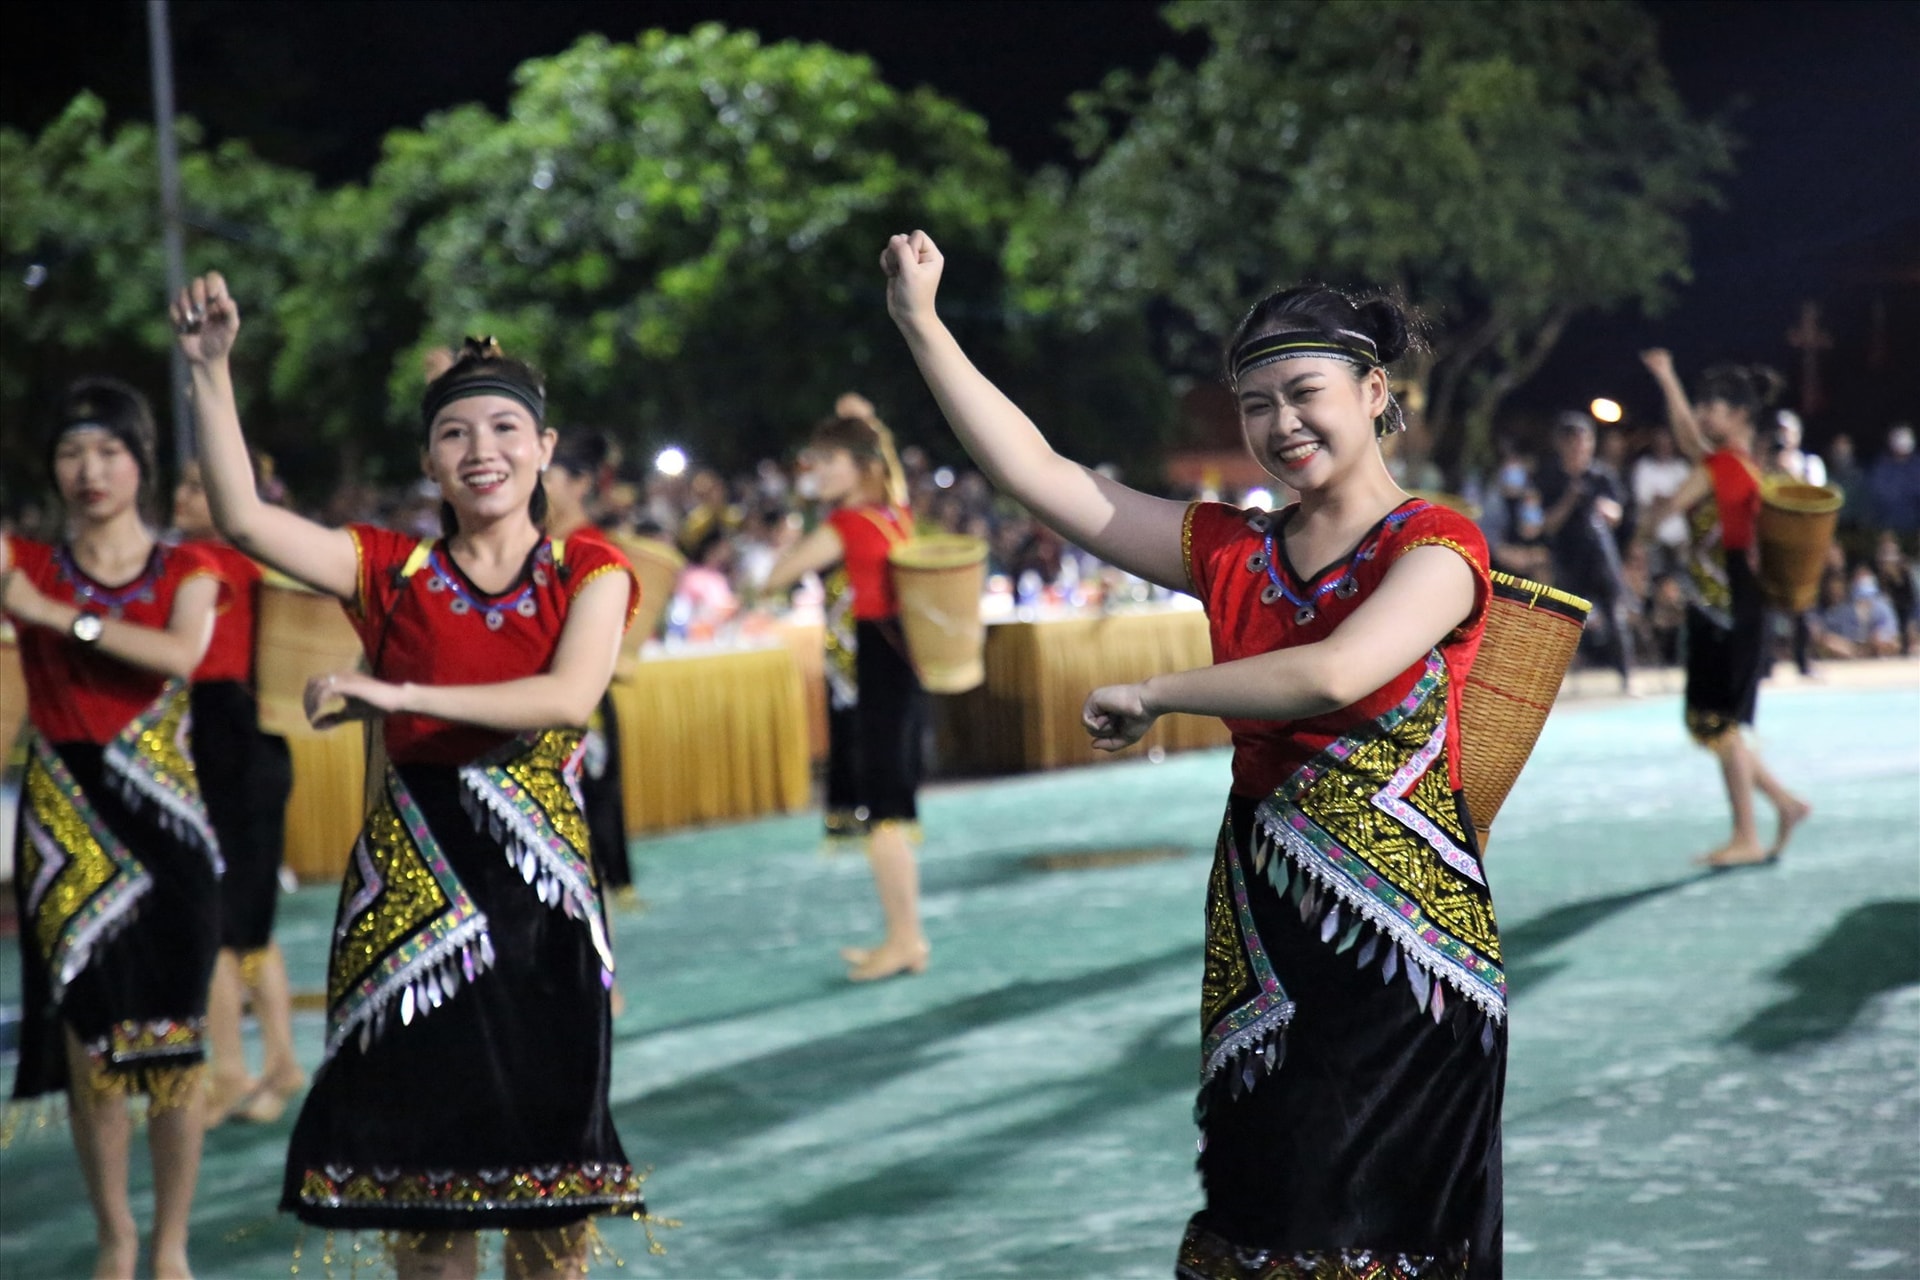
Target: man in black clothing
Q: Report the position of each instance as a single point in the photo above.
(1584, 505)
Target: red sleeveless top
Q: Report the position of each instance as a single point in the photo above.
(76, 693)
(1251, 611)
(422, 621)
(230, 653)
(868, 534)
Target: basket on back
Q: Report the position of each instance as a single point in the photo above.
(657, 564)
(939, 578)
(301, 634)
(1795, 533)
(1532, 632)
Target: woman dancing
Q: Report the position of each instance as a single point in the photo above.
(1353, 1011)
(876, 709)
(1726, 620)
(116, 866)
(463, 1085)
(245, 776)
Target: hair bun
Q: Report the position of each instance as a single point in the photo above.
(1382, 320)
(1767, 384)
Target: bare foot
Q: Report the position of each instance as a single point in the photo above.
(890, 958)
(268, 1100)
(616, 1003)
(226, 1096)
(1792, 814)
(1738, 853)
(857, 955)
(171, 1264)
(114, 1257)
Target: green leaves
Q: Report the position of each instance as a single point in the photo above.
(1504, 165)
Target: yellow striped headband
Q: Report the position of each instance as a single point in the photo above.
(1342, 344)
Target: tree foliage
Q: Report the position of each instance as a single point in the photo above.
(85, 285)
(684, 232)
(1504, 167)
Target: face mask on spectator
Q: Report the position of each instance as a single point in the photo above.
(1865, 588)
(1530, 513)
(1513, 476)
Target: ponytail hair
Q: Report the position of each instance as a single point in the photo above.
(869, 441)
(1749, 388)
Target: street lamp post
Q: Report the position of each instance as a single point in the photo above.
(160, 52)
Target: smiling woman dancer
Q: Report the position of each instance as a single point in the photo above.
(464, 1081)
(1352, 1014)
(116, 877)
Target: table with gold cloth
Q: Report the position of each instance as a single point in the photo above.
(704, 737)
(1039, 673)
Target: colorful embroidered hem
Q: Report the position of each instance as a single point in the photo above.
(82, 883)
(1709, 728)
(1372, 822)
(158, 1057)
(529, 800)
(1244, 1011)
(406, 930)
(151, 764)
(600, 1187)
(1206, 1256)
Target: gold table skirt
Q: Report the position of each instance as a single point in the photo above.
(1027, 715)
(703, 738)
(712, 737)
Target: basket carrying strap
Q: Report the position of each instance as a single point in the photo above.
(891, 628)
(890, 529)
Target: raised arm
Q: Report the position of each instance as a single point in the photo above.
(1687, 435)
(1122, 526)
(173, 650)
(564, 695)
(207, 322)
(1427, 593)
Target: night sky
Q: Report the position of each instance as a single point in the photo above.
(1826, 98)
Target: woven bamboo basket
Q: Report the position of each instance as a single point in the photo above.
(939, 579)
(657, 564)
(299, 634)
(1795, 534)
(1532, 632)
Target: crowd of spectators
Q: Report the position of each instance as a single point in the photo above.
(1574, 514)
(1585, 515)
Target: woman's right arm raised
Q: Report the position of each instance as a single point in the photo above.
(207, 321)
(1136, 531)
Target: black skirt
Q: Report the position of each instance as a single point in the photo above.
(465, 1085)
(245, 778)
(122, 902)
(1376, 1130)
(603, 800)
(1726, 657)
(874, 755)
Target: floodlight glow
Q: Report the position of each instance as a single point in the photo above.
(671, 461)
(1605, 410)
(943, 478)
(1258, 499)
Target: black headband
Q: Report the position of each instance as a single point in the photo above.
(1345, 344)
(133, 442)
(488, 382)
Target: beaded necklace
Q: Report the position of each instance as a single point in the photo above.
(464, 601)
(110, 599)
(1266, 560)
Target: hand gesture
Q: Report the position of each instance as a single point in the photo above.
(913, 264)
(361, 696)
(1117, 716)
(206, 319)
(1659, 362)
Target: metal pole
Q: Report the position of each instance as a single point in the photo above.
(160, 50)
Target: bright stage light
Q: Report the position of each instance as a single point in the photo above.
(671, 461)
(1605, 410)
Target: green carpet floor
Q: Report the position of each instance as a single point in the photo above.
(1711, 1075)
